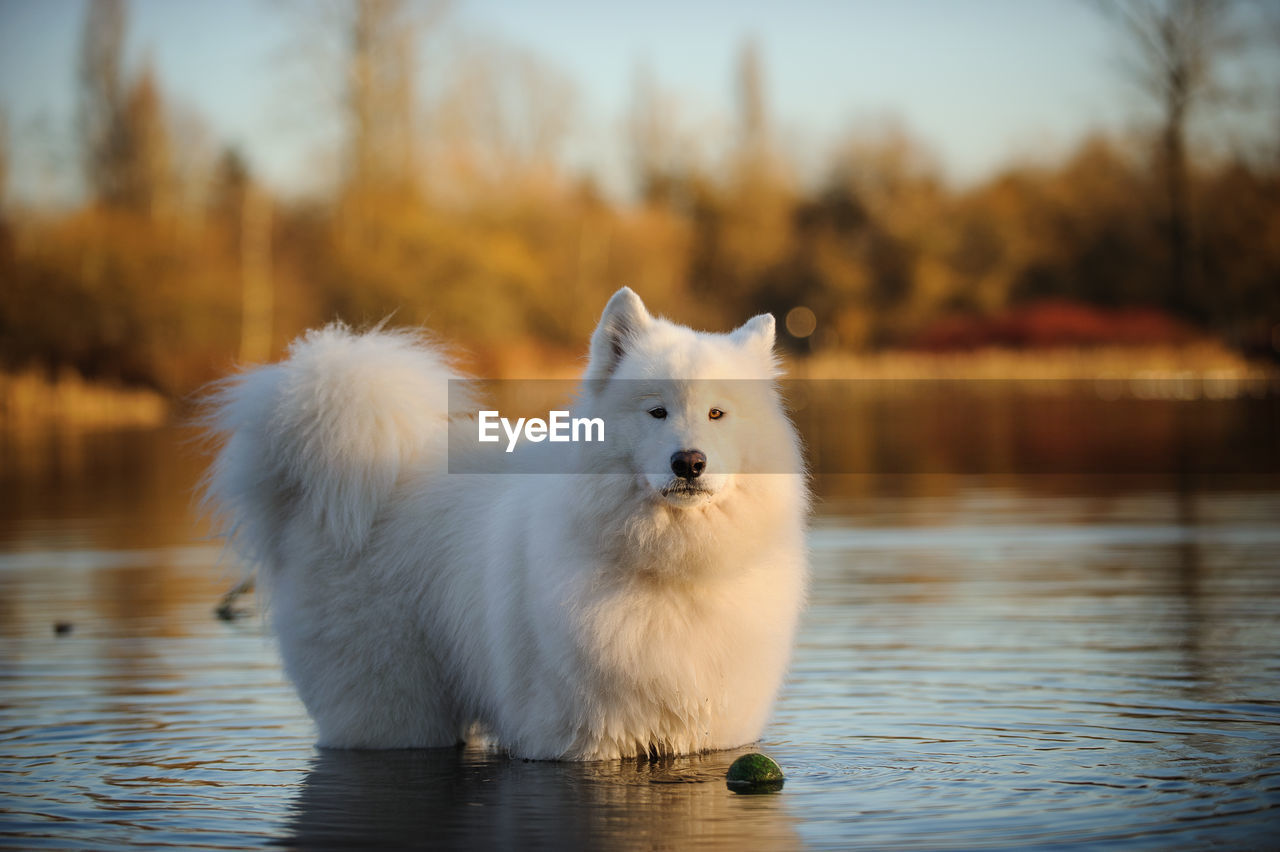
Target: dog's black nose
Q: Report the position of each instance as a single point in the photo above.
(688, 464)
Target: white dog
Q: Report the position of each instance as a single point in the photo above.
(639, 599)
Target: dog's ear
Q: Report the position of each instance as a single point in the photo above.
(756, 333)
(623, 318)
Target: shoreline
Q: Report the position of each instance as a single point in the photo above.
(31, 399)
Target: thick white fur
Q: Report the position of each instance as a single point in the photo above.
(579, 616)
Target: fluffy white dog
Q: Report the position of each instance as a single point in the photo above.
(639, 598)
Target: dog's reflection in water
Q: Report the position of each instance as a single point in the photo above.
(475, 799)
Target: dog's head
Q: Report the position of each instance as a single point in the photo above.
(687, 411)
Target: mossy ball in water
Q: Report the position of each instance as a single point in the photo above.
(754, 773)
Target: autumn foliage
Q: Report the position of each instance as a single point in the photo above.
(474, 228)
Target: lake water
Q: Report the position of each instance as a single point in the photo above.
(1014, 659)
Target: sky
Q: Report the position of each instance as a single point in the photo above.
(980, 82)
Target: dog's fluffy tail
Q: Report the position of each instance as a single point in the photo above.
(313, 445)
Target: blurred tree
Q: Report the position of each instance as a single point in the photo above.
(1085, 231)
(243, 212)
(6, 234)
(124, 138)
(101, 102)
(452, 207)
(382, 58)
(893, 212)
(825, 271)
(500, 124)
(1241, 238)
(361, 60)
(230, 180)
(364, 55)
(145, 167)
(194, 150)
(257, 302)
(742, 228)
(753, 120)
(1178, 48)
(4, 161)
(663, 163)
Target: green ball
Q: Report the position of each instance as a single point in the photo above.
(754, 773)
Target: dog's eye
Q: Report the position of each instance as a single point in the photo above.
(658, 413)
(715, 414)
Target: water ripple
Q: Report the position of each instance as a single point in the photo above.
(1011, 683)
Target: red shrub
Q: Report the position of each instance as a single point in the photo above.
(1054, 323)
